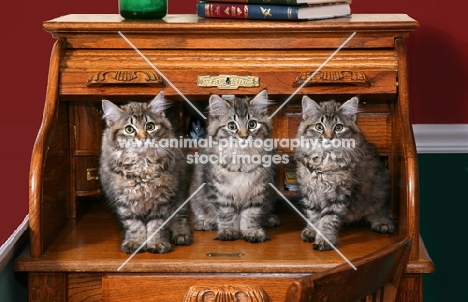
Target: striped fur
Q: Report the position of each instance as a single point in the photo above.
(339, 183)
(236, 198)
(144, 184)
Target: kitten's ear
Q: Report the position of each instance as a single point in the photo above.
(260, 102)
(350, 108)
(112, 112)
(309, 107)
(218, 106)
(159, 104)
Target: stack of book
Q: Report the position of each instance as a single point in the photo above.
(274, 9)
(290, 179)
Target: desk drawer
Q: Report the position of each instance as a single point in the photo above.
(125, 72)
(195, 288)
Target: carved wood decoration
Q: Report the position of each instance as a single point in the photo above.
(332, 77)
(229, 293)
(125, 77)
(47, 287)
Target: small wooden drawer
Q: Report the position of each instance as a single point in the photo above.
(196, 288)
(202, 72)
(86, 175)
(86, 124)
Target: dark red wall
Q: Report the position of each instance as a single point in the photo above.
(438, 56)
(438, 74)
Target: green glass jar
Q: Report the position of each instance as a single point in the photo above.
(143, 9)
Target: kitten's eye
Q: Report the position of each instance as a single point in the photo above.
(338, 127)
(150, 126)
(129, 129)
(319, 127)
(252, 124)
(232, 126)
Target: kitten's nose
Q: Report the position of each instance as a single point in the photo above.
(329, 135)
(141, 135)
(243, 133)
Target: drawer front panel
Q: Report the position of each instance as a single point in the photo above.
(125, 72)
(86, 127)
(87, 179)
(188, 288)
(86, 122)
(276, 38)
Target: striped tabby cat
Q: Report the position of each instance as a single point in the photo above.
(235, 200)
(143, 182)
(341, 177)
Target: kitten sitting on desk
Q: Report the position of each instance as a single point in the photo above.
(341, 177)
(144, 182)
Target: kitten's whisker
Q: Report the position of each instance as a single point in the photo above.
(169, 151)
(348, 153)
(363, 153)
(182, 153)
(345, 155)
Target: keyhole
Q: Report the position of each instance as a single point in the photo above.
(228, 81)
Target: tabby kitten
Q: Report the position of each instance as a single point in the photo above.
(143, 181)
(236, 198)
(340, 182)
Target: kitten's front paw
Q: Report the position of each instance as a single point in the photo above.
(272, 221)
(181, 233)
(131, 247)
(228, 234)
(308, 235)
(255, 236)
(159, 247)
(383, 228)
(202, 225)
(182, 239)
(322, 245)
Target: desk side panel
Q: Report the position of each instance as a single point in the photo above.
(49, 169)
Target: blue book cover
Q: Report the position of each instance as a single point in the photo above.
(271, 12)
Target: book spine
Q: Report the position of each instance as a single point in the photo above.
(280, 2)
(265, 2)
(246, 11)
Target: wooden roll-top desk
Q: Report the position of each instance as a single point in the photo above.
(74, 239)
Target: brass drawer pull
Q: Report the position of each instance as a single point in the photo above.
(228, 81)
(91, 174)
(234, 255)
(125, 77)
(351, 78)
